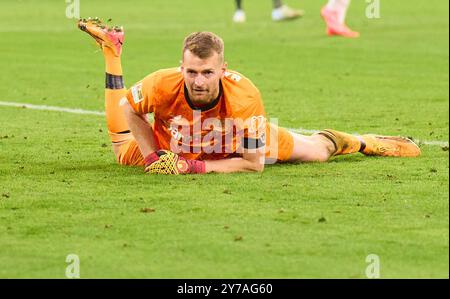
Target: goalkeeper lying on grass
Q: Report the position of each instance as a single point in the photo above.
(208, 118)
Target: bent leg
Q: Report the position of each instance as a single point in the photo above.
(124, 145)
(110, 40)
(114, 91)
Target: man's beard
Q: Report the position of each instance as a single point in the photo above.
(201, 96)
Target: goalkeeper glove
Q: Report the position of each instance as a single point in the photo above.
(171, 163)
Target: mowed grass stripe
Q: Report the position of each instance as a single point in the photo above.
(102, 113)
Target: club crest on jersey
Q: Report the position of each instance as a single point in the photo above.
(136, 91)
(257, 124)
(174, 123)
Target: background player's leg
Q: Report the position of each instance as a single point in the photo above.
(341, 7)
(239, 14)
(238, 4)
(277, 3)
(334, 13)
(282, 12)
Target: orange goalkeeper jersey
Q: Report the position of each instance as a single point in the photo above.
(224, 128)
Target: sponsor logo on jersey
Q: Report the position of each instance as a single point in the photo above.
(233, 76)
(257, 124)
(136, 91)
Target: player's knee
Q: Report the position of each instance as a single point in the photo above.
(119, 155)
(124, 156)
(323, 156)
(124, 162)
(323, 149)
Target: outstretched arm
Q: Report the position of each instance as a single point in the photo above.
(250, 162)
(171, 163)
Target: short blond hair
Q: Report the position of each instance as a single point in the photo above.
(203, 44)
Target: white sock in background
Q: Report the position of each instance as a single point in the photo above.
(239, 16)
(340, 6)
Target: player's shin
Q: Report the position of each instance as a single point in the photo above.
(114, 92)
(113, 64)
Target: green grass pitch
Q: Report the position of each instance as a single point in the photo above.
(62, 193)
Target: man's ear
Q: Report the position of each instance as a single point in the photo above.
(224, 68)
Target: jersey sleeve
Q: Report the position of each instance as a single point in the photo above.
(142, 95)
(254, 123)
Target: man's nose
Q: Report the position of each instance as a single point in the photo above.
(199, 80)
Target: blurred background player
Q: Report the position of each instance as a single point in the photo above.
(280, 12)
(334, 14)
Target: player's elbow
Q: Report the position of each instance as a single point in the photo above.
(260, 168)
(257, 166)
(254, 162)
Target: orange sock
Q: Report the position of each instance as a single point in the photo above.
(113, 64)
(114, 91)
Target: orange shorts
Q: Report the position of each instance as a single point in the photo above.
(279, 145)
